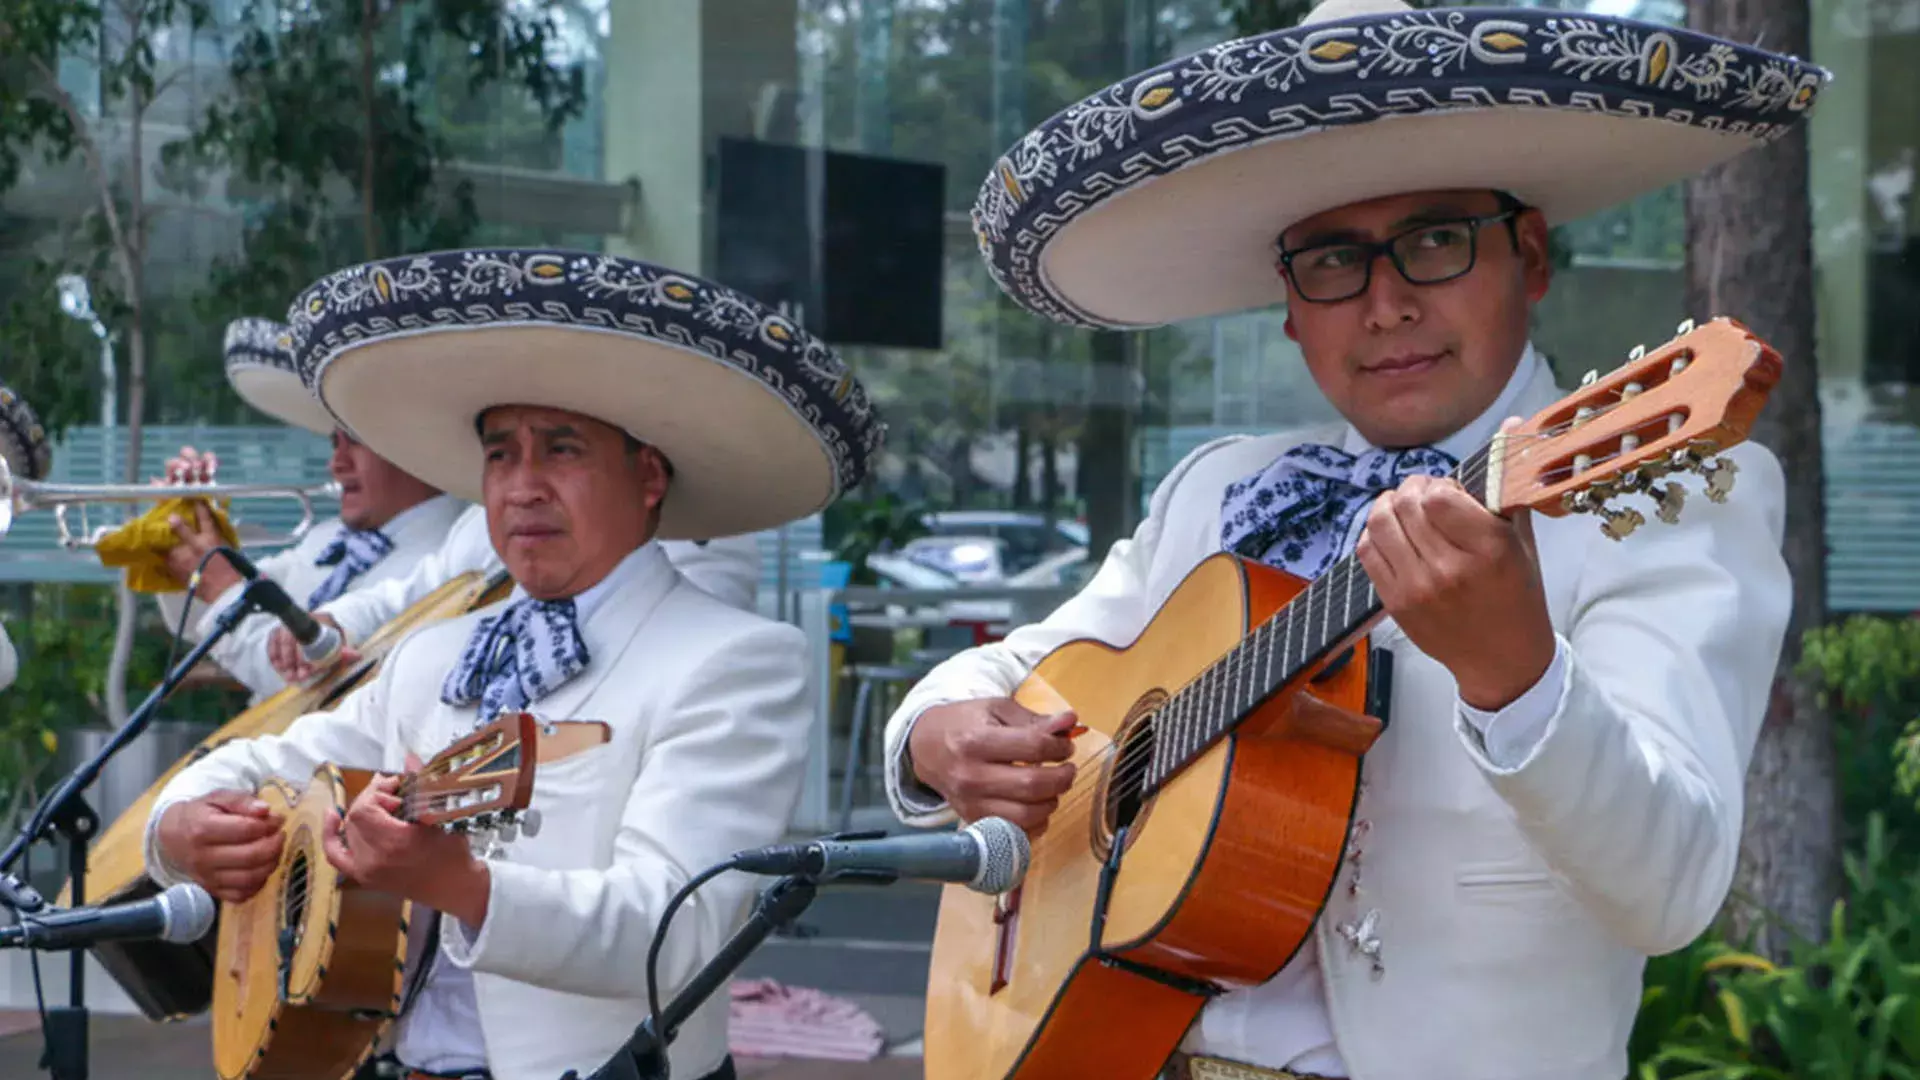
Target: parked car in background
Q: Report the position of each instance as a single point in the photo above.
(999, 547)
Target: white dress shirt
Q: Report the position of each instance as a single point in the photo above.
(416, 532)
(441, 1030)
(727, 567)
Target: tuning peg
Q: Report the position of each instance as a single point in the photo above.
(1684, 329)
(1620, 523)
(1592, 376)
(509, 833)
(1683, 459)
(1719, 474)
(1671, 499)
(530, 822)
(1636, 353)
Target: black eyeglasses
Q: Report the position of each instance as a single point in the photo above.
(1424, 255)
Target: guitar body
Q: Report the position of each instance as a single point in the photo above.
(168, 981)
(309, 969)
(1223, 871)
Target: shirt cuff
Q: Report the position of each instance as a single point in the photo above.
(915, 797)
(1510, 735)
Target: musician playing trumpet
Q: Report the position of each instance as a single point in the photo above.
(389, 519)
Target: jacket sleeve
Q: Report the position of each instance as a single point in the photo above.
(355, 734)
(1634, 793)
(726, 567)
(1113, 607)
(467, 547)
(722, 772)
(242, 653)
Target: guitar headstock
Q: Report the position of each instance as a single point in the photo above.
(481, 783)
(1666, 411)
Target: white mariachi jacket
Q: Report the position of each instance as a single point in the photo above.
(416, 532)
(727, 566)
(710, 714)
(1502, 923)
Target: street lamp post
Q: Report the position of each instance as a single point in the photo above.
(77, 301)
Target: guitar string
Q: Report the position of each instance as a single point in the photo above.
(1341, 577)
(1090, 772)
(1231, 668)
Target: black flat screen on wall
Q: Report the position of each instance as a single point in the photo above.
(852, 244)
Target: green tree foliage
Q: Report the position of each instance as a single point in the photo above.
(339, 119)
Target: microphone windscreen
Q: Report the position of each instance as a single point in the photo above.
(188, 912)
(1004, 852)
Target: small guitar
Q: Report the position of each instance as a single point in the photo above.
(1218, 775)
(309, 969)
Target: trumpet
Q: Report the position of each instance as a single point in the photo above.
(17, 496)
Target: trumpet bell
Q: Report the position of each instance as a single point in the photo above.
(19, 495)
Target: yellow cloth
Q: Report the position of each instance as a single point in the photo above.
(141, 545)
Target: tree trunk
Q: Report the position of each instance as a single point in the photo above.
(369, 233)
(133, 255)
(1749, 256)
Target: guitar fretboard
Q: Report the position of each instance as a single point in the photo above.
(1296, 639)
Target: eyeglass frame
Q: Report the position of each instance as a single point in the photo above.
(1375, 249)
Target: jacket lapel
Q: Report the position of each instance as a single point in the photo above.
(609, 630)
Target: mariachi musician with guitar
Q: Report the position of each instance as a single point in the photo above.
(596, 406)
(1428, 816)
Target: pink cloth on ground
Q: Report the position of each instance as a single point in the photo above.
(768, 1019)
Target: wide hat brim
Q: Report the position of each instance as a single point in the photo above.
(1161, 198)
(23, 439)
(260, 368)
(762, 423)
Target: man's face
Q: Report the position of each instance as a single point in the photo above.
(373, 491)
(567, 496)
(1411, 364)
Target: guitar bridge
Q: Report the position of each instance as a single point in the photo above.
(1006, 918)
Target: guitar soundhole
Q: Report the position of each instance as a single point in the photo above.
(293, 910)
(1124, 800)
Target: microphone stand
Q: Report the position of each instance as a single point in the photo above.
(644, 1057)
(65, 813)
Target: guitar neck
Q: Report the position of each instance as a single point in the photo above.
(1330, 611)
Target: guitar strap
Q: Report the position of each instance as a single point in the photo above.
(429, 942)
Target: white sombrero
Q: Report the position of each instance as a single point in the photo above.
(23, 440)
(260, 368)
(762, 422)
(1160, 198)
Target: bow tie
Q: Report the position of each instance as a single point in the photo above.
(351, 552)
(517, 657)
(1296, 513)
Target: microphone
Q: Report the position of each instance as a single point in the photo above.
(319, 642)
(988, 856)
(181, 915)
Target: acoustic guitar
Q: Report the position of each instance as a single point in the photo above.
(310, 968)
(1219, 771)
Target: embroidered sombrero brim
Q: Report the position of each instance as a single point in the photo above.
(23, 440)
(261, 370)
(1160, 198)
(762, 423)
